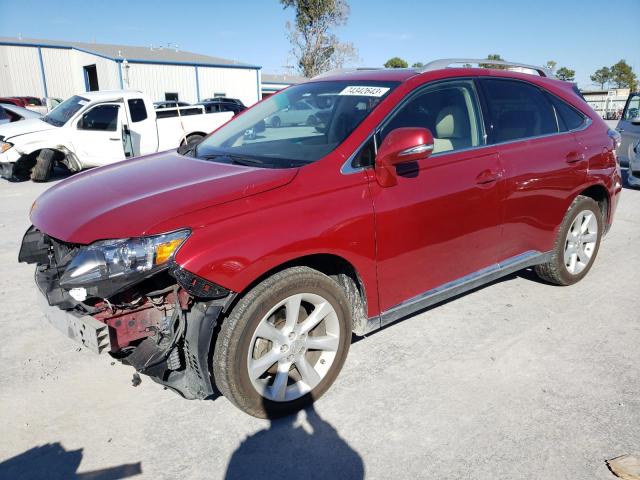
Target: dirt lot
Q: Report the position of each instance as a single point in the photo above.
(516, 380)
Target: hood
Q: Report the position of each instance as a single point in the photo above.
(14, 129)
(129, 198)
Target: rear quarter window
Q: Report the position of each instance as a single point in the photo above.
(568, 117)
(137, 110)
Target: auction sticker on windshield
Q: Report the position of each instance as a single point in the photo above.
(363, 91)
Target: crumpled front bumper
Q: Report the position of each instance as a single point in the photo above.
(84, 329)
(8, 166)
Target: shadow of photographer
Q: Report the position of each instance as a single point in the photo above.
(293, 447)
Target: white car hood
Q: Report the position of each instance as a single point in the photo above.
(10, 130)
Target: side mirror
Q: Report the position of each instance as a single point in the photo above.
(402, 145)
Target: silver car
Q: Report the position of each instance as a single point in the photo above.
(12, 113)
(629, 129)
(633, 179)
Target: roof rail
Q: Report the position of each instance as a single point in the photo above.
(339, 71)
(446, 62)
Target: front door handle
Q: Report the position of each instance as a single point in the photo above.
(573, 157)
(115, 139)
(620, 130)
(488, 176)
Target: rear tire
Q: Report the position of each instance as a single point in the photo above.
(576, 245)
(276, 122)
(267, 361)
(43, 168)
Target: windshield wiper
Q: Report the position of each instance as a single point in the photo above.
(236, 159)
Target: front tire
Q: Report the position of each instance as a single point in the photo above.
(284, 343)
(577, 244)
(43, 168)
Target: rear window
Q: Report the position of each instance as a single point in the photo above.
(518, 110)
(137, 109)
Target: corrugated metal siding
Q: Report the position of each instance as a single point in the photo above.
(20, 72)
(234, 83)
(156, 80)
(108, 78)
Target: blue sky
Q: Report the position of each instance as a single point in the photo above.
(583, 35)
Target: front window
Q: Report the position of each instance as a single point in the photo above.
(67, 109)
(295, 127)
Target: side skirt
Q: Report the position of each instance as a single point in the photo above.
(456, 287)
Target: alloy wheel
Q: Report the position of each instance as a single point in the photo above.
(581, 241)
(293, 347)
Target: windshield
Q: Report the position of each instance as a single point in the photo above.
(297, 126)
(63, 112)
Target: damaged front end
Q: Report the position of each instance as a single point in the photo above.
(129, 297)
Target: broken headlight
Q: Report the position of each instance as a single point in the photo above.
(113, 259)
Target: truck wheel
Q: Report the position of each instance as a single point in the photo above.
(577, 244)
(276, 122)
(44, 166)
(284, 343)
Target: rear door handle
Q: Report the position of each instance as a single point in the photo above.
(573, 157)
(488, 176)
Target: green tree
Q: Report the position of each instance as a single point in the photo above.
(602, 76)
(622, 76)
(396, 62)
(418, 65)
(551, 65)
(566, 74)
(493, 56)
(314, 46)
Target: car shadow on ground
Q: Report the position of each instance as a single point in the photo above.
(53, 462)
(295, 447)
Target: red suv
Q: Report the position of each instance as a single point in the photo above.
(244, 264)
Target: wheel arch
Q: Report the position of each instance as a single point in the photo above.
(600, 194)
(191, 134)
(334, 266)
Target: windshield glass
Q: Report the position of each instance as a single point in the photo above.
(295, 127)
(63, 112)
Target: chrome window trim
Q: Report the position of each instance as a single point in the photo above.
(347, 169)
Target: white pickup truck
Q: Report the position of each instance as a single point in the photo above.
(98, 128)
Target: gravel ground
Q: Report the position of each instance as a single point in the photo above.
(519, 379)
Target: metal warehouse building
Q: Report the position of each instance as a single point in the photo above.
(48, 68)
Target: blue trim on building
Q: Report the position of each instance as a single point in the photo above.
(44, 77)
(86, 78)
(120, 75)
(259, 86)
(190, 64)
(197, 83)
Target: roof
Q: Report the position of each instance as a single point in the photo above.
(283, 79)
(134, 54)
(109, 95)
